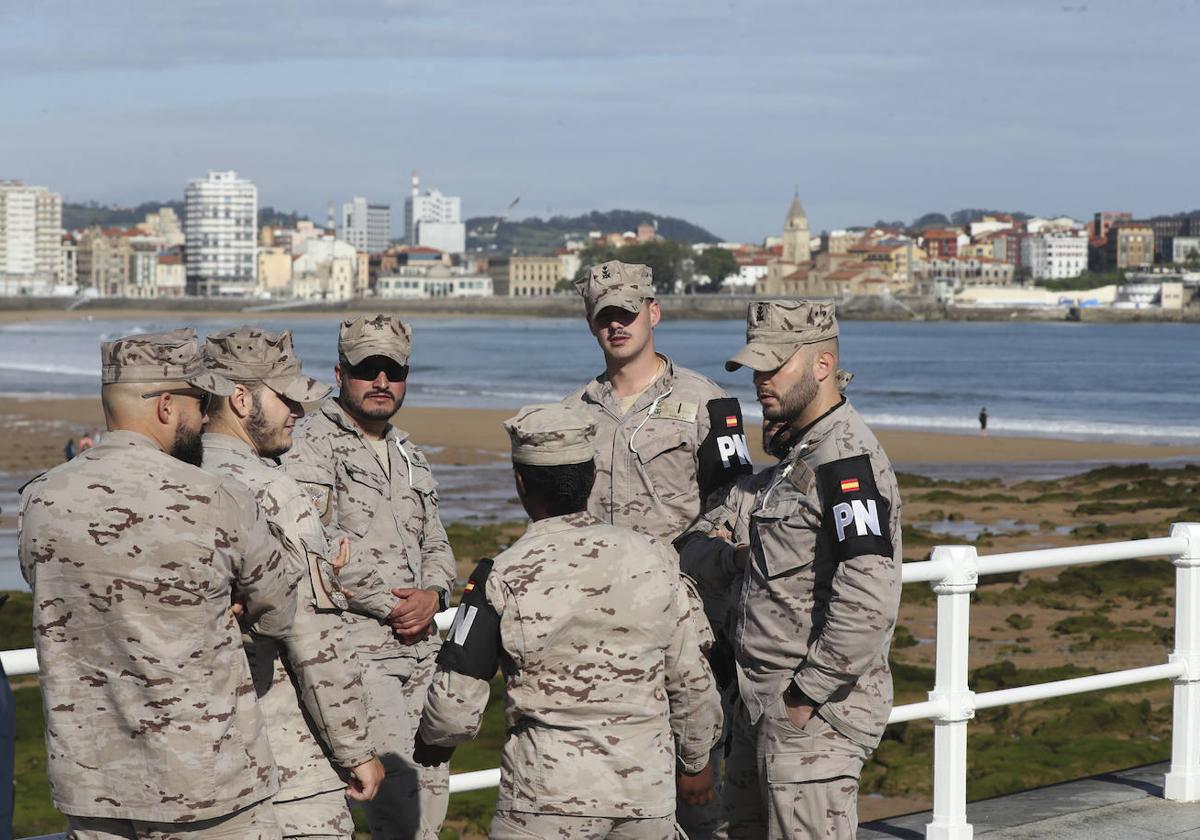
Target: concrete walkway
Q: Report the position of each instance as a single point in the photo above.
(1125, 805)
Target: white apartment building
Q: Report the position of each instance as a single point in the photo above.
(434, 220)
(30, 238)
(220, 219)
(436, 281)
(1059, 255)
(327, 270)
(1183, 248)
(366, 226)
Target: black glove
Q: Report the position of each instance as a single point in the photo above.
(428, 755)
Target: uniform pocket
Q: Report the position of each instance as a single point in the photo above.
(666, 458)
(811, 754)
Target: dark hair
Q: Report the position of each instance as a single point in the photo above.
(560, 489)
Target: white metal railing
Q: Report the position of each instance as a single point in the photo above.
(953, 571)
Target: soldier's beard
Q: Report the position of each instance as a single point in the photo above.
(795, 400)
(359, 407)
(188, 446)
(269, 443)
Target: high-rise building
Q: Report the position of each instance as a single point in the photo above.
(434, 220)
(30, 237)
(368, 227)
(220, 221)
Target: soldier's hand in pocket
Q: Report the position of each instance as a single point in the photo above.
(365, 780)
(699, 789)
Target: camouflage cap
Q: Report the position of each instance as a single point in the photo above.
(381, 335)
(551, 434)
(775, 329)
(843, 379)
(251, 356)
(172, 356)
(614, 283)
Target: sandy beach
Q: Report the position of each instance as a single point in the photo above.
(35, 431)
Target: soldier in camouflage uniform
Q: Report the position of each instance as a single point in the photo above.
(666, 438)
(815, 542)
(607, 694)
(134, 556)
(371, 485)
(245, 429)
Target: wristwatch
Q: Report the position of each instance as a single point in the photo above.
(443, 598)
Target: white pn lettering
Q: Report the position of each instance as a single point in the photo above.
(733, 446)
(461, 626)
(865, 517)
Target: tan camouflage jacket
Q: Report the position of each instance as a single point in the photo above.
(390, 516)
(313, 663)
(604, 679)
(819, 598)
(134, 559)
(681, 440)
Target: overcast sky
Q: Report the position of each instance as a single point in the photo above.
(714, 112)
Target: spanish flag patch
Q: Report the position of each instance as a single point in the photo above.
(470, 585)
(849, 485)
(731, 422)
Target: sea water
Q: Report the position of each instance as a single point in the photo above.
(1135, 382)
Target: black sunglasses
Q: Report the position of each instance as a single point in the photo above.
(368, 370)
(204, 397)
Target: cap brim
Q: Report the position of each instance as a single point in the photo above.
(762, 357)
(212, 383)
(620, 301)
(299, 388)
(355, 355)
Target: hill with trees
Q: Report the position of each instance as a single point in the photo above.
(535, 235)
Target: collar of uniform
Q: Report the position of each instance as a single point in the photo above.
(124, 437)
(599, 390)
(553, 524)
(216, 440)
(332, 409)
(816, 431)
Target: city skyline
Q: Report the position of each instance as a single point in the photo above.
(711, 114)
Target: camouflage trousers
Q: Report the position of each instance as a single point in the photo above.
(320, 815)
(411, 803)
(517, 825)
(254, 823)
(785, 782)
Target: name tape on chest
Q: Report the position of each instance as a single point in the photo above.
(676, 410)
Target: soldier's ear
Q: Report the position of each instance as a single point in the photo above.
(520, 482)
(164, 408)
(655, 313)
(337, 374)
(241, 401)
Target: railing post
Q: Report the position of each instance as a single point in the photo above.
(951, 691)
(1182, 782)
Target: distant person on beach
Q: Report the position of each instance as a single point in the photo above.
(69, 449)
(311, 673)
(667, 438)
(88, 441)
(983, 418)
(606, 690)
(813, 545)
(152, 726)
(371, 484)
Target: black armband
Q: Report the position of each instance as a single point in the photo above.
(856, 515)
(724, 454)
(472, 647)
